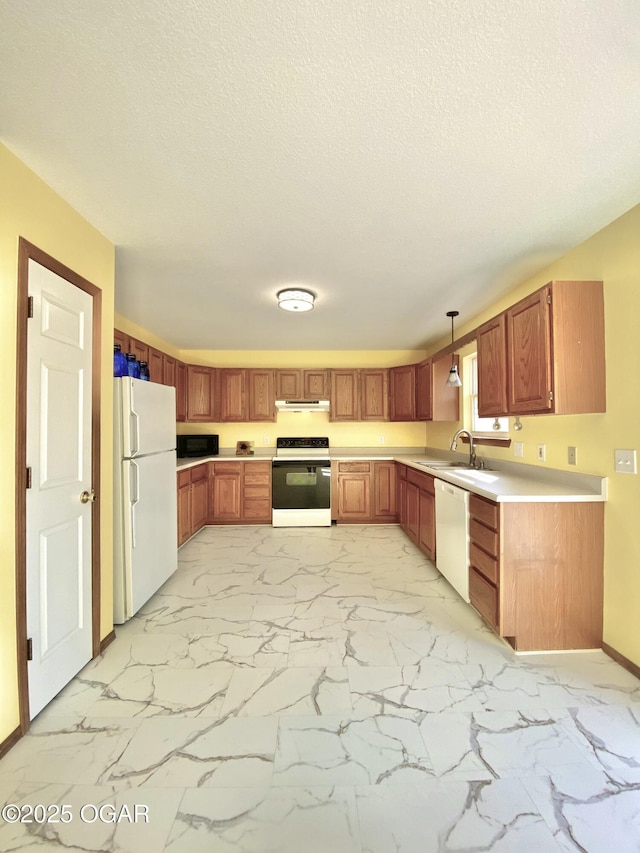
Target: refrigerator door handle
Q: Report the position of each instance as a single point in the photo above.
(135, 448)
(134, 500)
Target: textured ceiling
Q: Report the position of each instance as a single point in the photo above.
(400, 159)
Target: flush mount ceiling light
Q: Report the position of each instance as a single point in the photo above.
(453, 380)
(294, 299)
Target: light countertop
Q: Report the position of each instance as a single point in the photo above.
(502, 481)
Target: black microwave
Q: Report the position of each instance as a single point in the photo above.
(196, 445)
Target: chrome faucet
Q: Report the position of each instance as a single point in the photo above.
(472, 449)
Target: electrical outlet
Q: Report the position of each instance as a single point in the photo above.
(380, 439)
(625, 461)
(572, 455)
(518, 449)
(266, 439)
(542, 452)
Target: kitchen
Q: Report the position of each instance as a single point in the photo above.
(53, 220)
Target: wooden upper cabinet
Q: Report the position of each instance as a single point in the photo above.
(233, 394)
(345, 395)
(402, 393)
(302, 384)
(181, 391)
(374, 394)
(445, 399)
(168, 370)
(139, 349)
(261, 394)
(492, 368)
(315, 384)
(547, 351)
(423, 391)
(289, 384)
(156, 367)
(201, 393)
(122, 339)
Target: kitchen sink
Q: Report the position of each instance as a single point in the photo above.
(448, 466)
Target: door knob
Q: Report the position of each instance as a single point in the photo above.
(88, 497)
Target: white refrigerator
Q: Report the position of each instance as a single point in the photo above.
(145, 503)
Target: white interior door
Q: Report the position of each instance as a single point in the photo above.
(58, 524)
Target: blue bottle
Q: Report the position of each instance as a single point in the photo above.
(144, 371)
(119, 361)
(133, 366)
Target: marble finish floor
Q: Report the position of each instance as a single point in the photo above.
(325, 691)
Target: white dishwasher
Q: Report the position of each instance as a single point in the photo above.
(452, 535)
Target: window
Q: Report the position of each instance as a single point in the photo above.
(483, 426)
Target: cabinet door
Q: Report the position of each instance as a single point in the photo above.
(201, 390)
(402, 393)
(427, 524)
(374, 394)
(199, 504)
(315, 384)
(232, 394)
(181, 391)
(530, 380)
(344, 395)
(261, 394)
(354, 496)
(492, 367)
(288, 384)
(169, 370)
(226, 492)
(384, 480)
(156, 371)
(184, 513)
(445, 399)
(139, 349)
(423, 391)
(122, 339)
(412, 508)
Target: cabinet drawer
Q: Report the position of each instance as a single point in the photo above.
(423, 481)
(484, 597)
(256, 491)
(257, 508)
(257, 478)
(227, 467)
(485, 511)
(199, 472)
(354, 467)
(488, 566)
(485, 538)
(184, 477)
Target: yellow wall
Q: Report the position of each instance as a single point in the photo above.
(30, 209)
(612, 255)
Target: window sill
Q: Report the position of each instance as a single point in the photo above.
(487, 440)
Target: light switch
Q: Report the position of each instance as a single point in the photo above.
(625, 461)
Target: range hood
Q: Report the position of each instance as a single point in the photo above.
(302, 405)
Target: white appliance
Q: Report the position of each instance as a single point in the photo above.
(145, 503)
(302, 405)
(301, 483)
(452, 535)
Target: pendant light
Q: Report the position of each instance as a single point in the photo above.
(453, 380)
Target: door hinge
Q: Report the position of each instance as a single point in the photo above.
(548, 299)
(29, 648)
(28, 478)
(551, 395)
(30, 306)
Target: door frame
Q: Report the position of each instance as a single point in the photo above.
(26, 252)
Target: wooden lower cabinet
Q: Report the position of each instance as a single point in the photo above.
(364, 492)
(241, 492)
(536, 572)
(417, 517)
(193, 500)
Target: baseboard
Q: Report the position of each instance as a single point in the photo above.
(10, 741)
(106, 642)
(633, 668)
